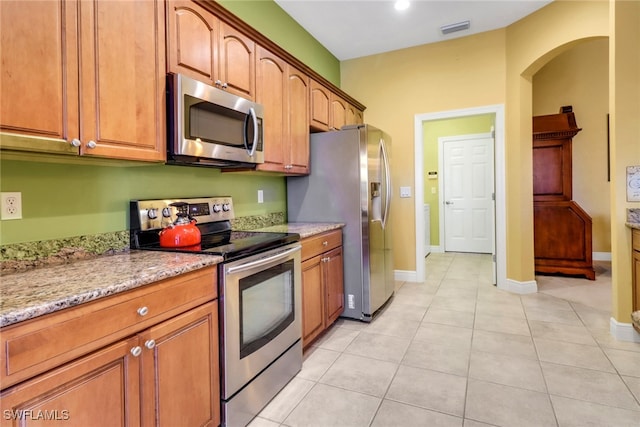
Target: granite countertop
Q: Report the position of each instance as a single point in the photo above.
(28, 294)
(633, 225)
(304, 229)
(39, 291)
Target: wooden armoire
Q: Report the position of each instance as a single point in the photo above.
(562, 229)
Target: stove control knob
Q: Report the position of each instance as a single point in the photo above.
(152, 213)
(217, 207)
(226, 207)
(166, 212)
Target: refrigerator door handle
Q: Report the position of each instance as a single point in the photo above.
(387, 173)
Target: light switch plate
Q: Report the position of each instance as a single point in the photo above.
(405, 191)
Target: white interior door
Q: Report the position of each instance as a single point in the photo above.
(468, 189)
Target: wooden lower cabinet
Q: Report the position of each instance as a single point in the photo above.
(322, 283)
(635, 278)
(144, 357)
(179, 373)
(166, 375)
(96, 389)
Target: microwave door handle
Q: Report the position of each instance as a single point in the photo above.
(254, 119)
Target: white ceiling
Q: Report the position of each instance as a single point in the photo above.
(354, 28)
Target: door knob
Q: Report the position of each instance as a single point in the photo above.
(448, 202)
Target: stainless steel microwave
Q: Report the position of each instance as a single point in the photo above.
(208, 126)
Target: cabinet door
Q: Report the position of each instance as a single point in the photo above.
(636, 280)
(39, 73)
(122, 79)
(312, 300)
(333, 280)
(98, 388)
(353, 116)
(270, 92)
(298, 109)
(192, 42)
(338, 112)
(179, 373)
(237, 62)
(319, 105)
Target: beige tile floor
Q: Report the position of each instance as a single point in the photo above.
(456, 351)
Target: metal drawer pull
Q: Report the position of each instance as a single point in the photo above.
(325, 243)
(136, 351)
(150, 344)
(142, 311)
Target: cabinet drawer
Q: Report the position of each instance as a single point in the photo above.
(37, 345)
(636, 240)
(315, 245)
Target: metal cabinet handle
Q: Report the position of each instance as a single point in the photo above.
(91, 144)
(218, 83)
(150, 344)
(142, 311)
(325, 243)
(224, 85)
(136, 351)
(75, 142)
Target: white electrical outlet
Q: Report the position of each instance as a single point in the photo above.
(11, 205)
(260, 196)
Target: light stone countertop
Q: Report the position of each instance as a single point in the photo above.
(304, 229)
(28, 294)
(39, 291)
(633, 225)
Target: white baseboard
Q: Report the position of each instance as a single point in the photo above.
(601, 256)
(530, 287)
(405, 276)
(623, 331)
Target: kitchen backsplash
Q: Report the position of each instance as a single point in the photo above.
(22, 256)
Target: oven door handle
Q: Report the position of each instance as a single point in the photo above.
(262, 261)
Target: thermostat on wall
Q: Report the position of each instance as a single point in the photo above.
(432, 175)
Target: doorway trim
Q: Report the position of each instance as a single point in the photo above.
(499, 167)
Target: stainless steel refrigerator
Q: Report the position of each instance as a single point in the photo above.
(350, 182)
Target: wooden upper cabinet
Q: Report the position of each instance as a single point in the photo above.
(203, 47)
(122, 79)
(237, 62)
(88, 75)
(39, 73)
(192, 40)
(320, 106)
(330, 111)
(354, 116)
(283, 91)
(338, 112)
(298, 116)
(271, 92)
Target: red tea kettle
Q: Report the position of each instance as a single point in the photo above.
(182, 232)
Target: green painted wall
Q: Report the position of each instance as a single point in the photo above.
(64, 200)
(432, 130)
(273, 22)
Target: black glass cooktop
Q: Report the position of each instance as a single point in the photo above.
(232, 244)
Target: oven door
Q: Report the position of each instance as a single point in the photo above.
(261, 313)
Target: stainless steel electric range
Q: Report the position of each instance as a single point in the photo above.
(259, 298)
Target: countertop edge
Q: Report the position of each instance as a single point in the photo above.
(304, 229)
(30, 306)
(633, 225)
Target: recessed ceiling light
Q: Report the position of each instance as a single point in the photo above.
(401, 4)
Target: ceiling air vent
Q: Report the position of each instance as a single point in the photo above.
(452, 28)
